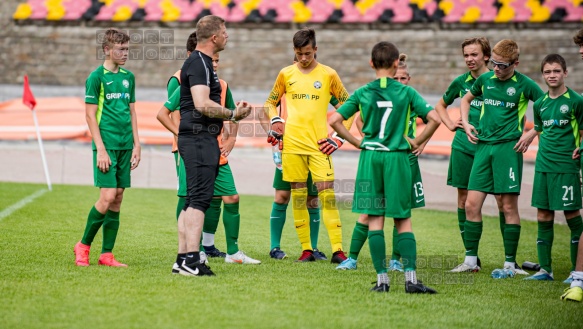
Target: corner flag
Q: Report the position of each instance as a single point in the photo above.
(28, 100)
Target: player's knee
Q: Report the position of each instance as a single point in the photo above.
(282, 197)
(231, 198)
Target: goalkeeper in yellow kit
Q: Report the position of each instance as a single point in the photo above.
(306, 146)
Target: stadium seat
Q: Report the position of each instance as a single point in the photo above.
(74, 9)
(39, 11)
(471, 15)
(320, 10)
(153, 10)
(351, 14)
(23, 11)
(302, 13)
(55, 10)
(505, 15)
(170, 12)
(188, 11)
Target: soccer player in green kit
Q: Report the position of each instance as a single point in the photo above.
(385, 107)
(575, 291)
(111, 117)
(497, 167)
(360, 232)
(558, 120)
(477, 53)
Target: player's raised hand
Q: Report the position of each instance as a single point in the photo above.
(330, 144)
(471, 132)
(242, 111)
(103, 161)
(275, 134)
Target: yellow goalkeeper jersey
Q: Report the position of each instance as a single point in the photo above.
(306, 97)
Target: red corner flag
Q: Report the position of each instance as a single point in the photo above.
(27, 96)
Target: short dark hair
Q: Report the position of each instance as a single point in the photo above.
(208, 26)
(304, 37)
(578, 38)
(554, 58)
(384, 54)
(114, 36)
(482, 42)
(191, 42)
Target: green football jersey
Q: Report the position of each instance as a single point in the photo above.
(559, 121)
(458, 88)
(112, 93)
(386, 106)
(504, 107)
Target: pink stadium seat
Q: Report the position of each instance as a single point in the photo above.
(153, 10)
(236, 15)
(431, 7)
(403, 13)
(488, 11)
(321, 10)
(351, 13)
(75, 8)
(219, 10)
(521, 12)
(39, 11)
(457, 12)
(188, 11)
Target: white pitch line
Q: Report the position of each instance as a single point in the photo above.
(8, 211)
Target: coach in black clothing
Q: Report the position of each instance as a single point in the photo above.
(201, 121)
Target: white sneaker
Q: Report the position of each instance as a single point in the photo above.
(204, 258)
(463, 267)
(516, 269)
(241, 258)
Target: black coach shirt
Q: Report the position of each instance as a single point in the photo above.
(198, 70)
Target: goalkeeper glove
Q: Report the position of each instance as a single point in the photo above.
(331, 144)
(275, 134)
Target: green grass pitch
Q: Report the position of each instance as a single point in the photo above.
(41, 288)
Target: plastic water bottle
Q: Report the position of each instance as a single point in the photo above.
(502, 274)
(276, 152)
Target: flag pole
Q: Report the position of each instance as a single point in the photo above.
(42, 150)
(30, 102)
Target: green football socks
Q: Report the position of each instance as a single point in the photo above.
(314, 226)
(511, 238)
(359, 235)
(231, 220)
(472, 236)
(408, 248)
(576, 227)
(94, 222)
(544, 244)
(376, 242)
(396, 255)
(276, 223)
(110, 228)
(461, 220)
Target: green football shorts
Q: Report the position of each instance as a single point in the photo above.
(555, 191)
(225, 183)
(497, 169)
(118, 175)
(460, 167)
(280, 184)
(417, 193)
(381, 184)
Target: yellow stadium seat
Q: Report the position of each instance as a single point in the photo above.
(505, 14)
(250, 5)
(55, 10)
(142, 3)
(446, 6)
(170, 12)
(123, 13)
(540, 14)
(107, 2)
(302, 13)
(471, 15)
(364, 5)
(421, 3)
(23, 11)
(338, 3)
